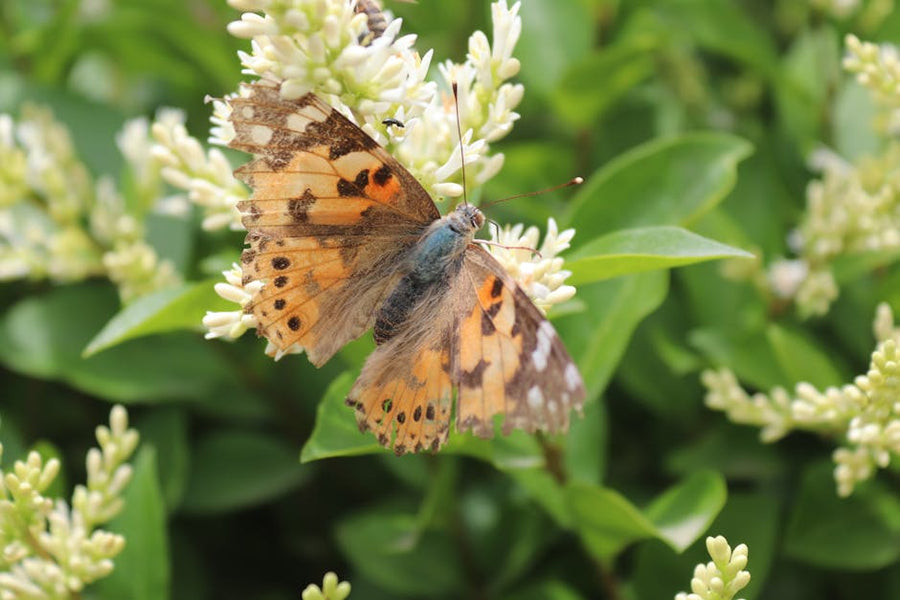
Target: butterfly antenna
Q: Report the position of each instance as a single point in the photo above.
(462, 154)
(571, 182)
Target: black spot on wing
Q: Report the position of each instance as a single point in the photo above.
(382, 175)
(281, 263)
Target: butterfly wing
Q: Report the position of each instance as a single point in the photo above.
(509, 360)
(330, 218)
(483, 336)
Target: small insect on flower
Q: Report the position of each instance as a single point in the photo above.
(375, 19)
(345, 239)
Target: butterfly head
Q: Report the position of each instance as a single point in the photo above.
(467, 218)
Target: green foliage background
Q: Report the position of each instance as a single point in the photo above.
(681, 114)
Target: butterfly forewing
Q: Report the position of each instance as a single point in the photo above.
(330, 216)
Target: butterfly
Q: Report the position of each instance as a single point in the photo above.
(345, 240)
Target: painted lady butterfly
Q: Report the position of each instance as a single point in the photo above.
(346, 240)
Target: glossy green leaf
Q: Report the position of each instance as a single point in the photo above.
(40, 335)
(644, 249)
(662, 182)
(336, 432)
(181, 307)
(43, 336)
(684, 512)
(861, 532)
(597, 338)
(606, 521)
(750, 518)
(142, 570)
(237, 469)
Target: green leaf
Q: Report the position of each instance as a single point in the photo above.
(684, 512)
(747, 518)
(859, 533)
(142, 569)
(644, 249)
(597, 338)
(586, 444)
(237, 469)
(43, 336)
(166, 429)
(389, 548)
(546, 493)
(336, 432)
(40, 335)
(181, 307)
(749, 356)
(663, 182)
(606, 521)
(803, 359)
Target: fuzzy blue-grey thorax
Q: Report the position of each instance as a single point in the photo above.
(432, 261)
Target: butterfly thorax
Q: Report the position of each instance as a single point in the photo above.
(433, 261)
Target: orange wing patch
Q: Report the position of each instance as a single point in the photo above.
(408, 410)
(511, 361)
(489, 349)
(330, 214)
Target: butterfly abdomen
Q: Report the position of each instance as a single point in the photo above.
(433, 261)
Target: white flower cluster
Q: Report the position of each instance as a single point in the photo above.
(332, 589)
(324, 46)
(722, 578)
(56, 222)
(852, 209)
(877, 66)
(232, 324)
(538, 272)
(865, 413)
(205, 176)
(48, 550)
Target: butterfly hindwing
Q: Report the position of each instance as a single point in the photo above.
(331, 215)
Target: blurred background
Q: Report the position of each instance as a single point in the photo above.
(236, 513)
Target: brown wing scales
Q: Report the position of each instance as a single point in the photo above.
(330, 216)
